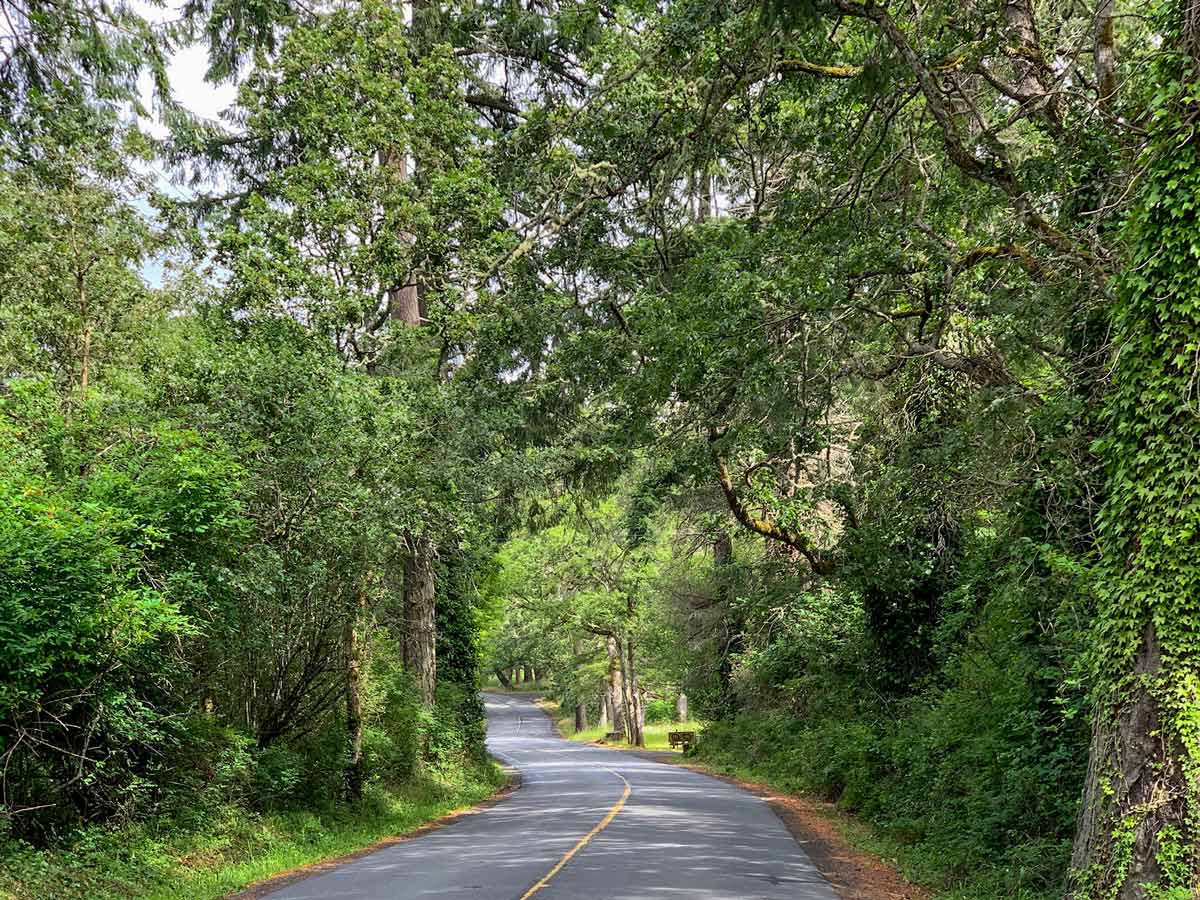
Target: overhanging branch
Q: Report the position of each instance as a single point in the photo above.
(801, 543)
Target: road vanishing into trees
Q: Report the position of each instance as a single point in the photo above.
(587, 824)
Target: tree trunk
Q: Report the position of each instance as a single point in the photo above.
(420, 611)
(681, 707)
(85, 338)
(532, 674)
(616, 698)
(404, 302)
(502, 678)
(420, 618)
(730, 620)
(354, 711)
(1135, 810)
(1104, 55)
(86, 363)
(636, 713)
(581, 717)
(1138, 834)
(603, 713)
(519, 676)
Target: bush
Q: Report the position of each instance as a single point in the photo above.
(75, 628)
(206, 768)
(456, 729)
(659, 711)
(973, 776)
(393, 729)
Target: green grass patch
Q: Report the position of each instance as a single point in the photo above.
(229, 849)
(655, 734)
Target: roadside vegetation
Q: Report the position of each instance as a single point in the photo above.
(657, 730)
(212, 852)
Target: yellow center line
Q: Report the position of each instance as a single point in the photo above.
(612, 814)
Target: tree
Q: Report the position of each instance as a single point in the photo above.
(1137, 824)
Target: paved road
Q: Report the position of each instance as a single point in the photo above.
(656, 831)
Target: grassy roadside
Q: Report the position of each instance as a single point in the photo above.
(656, 735)
(230, 850)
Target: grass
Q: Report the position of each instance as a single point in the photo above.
(227, 850)
(655, 734)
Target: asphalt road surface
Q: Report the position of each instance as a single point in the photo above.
(587, 824)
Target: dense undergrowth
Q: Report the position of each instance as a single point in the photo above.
(220, 812)
(950, 819)
(968, 777)
(211, 851)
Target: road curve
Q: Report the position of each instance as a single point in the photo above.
(587, 824)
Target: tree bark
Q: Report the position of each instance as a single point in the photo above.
(354, 712)
(420, 618)
(733, 625)
(85, 321)
(581, 722)
(1138, 832)
(1135, 798)
(615, 686)
(1104, 52)
(404, 302)
(681, 707)
(502, 678)
(603, 712)
(420, 611)
(636, 714)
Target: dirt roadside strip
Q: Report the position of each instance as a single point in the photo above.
(283, 879)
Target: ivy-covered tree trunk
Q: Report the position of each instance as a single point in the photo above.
(420, 618)
(732, 639)
(1138, 825)
(354, 707)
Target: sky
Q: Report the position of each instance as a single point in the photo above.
(187, 68)
(186, 73)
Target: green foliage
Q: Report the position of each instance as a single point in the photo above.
(956, 779)
(231, 848)
(1146, 653)
(109, 540)
(792, 340)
